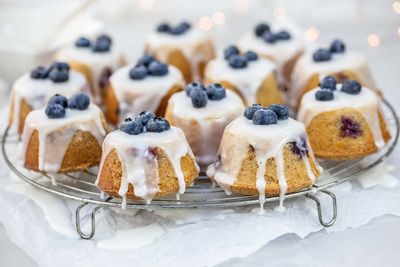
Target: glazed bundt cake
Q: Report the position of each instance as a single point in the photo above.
(95, 59)
(251, 77)
(280, 42)
(343, 121)
(34, 89)
(336, 61)
(265, 152)
(202, 113)
(66, 136)
(146, 158)
(146, 85)
(183, 46)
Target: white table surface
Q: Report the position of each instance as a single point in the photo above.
(374, 244)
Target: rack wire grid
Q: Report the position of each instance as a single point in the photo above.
(80, 186)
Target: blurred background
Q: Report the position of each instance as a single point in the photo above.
(30, 31)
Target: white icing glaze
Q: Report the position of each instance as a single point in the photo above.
(55, 135)
(247, 80)
(268, 142)
(366, 102)
(139, 164)
(37, 92)
(162, 44)
(306, 67)
(134, 96)
(96, 62)
(212, 120)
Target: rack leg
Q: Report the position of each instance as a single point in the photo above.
(92, 218)
(319, 209)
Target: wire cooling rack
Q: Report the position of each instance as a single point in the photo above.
(81, 187)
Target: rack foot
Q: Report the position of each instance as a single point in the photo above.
(319, 209)
(87, 236)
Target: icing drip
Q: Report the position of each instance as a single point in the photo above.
(247, 80)
(211, 121)
(134, 96)
(37, 92)
(139, 162)
(366, 102)
(55, 135)
(267, 142)
(190, 44)
(96, 62)
(305, 68)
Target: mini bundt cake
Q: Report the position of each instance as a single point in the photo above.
(34, 89)
(265, 152)
(343, 121)
(203, 113)
(66, 136)
(251, 77)
(336, 61)
(95, 59)
(146, 85)
(146, 158)
(279, 42)
(183, 46)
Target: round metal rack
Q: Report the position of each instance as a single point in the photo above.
(81, 187)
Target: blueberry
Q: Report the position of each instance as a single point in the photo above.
(283, 35)
(131, 127)
(350, 128)
(39, 73)
(251, 56)
(351, 87)
(324, 95)
(265, 117)
(59, 99)
(328, 82)
(322, 55)
(145, 116)
(249, 111)
(79, 101)
(59, 66)
(338, 46)
(104, 38)
(261, 29)
(237, 62)
(270, 37)
(199, 98)
(157, 68)
(281, 111)
(230, 51)
(158, 125)
(138, 73)
(186, 25)
(192, 86)
(163, 27)
(145, 60)
(82, 42)
(55, 111)
(101, 47)
(178, 30)
(58, 76)
(215, 91)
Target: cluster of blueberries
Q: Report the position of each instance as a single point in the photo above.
(57, 104)
(57, 72)
(266, 116)
(325, 54)
(263, 31)
(102, 43)
(145, 122)
(148, 65)
(236, 60)
(179, 29)
(328, 86)
(199, 94)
